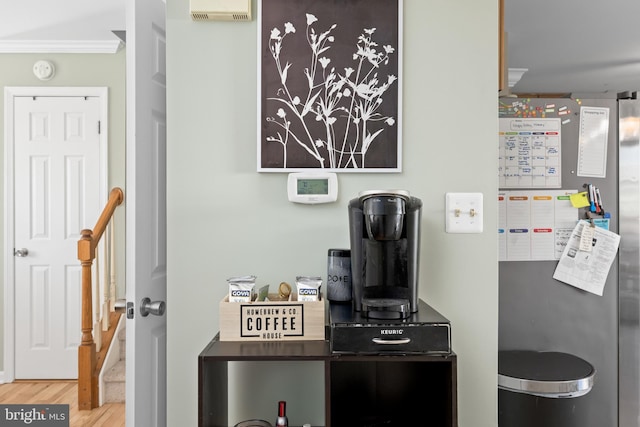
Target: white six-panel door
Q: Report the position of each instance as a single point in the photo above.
(57, 192)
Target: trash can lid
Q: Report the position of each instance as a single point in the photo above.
(544, 373)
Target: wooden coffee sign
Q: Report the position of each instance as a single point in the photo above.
(271, 321)
(290, 320)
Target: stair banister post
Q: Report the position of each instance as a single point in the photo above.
(86, 255)
(87, 348)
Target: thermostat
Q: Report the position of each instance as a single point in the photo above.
(312, 187)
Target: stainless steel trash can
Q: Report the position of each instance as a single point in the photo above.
(542, 389)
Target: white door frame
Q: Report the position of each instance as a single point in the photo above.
(10, 93)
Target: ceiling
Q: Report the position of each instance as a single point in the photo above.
(56, 25)
(571, 46)
(567, 46)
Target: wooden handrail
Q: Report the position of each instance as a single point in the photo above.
(115, 199)
(87, 375)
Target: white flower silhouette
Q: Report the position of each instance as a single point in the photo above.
(345, 107)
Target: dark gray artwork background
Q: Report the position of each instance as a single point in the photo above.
(346, 26)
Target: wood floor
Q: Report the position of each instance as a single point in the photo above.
(62, 392)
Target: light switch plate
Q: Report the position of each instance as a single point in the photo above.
(463, 213)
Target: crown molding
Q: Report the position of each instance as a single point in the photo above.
(515, 74)
(60, 46)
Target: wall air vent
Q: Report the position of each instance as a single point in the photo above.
(220, 10)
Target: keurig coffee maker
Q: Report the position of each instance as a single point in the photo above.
(384, 228)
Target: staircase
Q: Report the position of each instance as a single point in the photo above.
(95, 357)
(114, 377)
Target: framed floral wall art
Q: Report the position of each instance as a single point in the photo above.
(329, 85)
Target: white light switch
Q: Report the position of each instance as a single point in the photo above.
(463, 213)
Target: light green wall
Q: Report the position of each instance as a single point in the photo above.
(226, 219)
(99, 70)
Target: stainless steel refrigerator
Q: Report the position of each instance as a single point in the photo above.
(540, 313)
(629, 263)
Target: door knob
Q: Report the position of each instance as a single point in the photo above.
(156, 307)
(21, 252)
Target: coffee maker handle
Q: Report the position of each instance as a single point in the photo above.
(392, 342)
